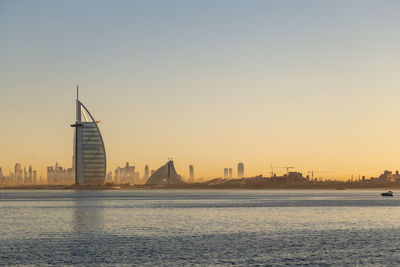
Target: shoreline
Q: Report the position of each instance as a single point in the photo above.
(143, 188)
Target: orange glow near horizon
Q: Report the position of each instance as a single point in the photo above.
(261, 83)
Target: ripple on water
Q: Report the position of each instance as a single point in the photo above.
(198, 228)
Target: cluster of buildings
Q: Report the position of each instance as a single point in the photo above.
(386, 177)
(57, 175)
(20, 176)
(126, 175)
(89, 166)
(389, 176)
(89, 158)
(290, 177)
(89, 162)
(228, 174)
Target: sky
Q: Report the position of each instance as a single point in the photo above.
(309, 84)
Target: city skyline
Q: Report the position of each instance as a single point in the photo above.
(311, 85)
(58, 175)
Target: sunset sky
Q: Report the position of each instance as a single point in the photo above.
(309, 84)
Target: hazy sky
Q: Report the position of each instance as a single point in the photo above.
(309, 84)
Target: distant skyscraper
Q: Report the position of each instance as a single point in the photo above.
(230, 173)
(109, 177)
(240, 170)
(1, 173)
(146, 173)
(25, 176)
(89, 150)
(226, 173)
(191, 172)
(18, 173)
(30, 177)
(34, 177)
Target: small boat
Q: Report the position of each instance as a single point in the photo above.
(387, 194)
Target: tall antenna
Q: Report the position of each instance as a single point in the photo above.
(169, 169)
(77, 92)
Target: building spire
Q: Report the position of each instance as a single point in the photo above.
(77, 92)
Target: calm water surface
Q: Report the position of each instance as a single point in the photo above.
(199, 227)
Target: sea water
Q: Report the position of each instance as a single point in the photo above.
(199, 227)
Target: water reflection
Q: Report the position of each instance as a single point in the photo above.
(199, 228)
(88, 211)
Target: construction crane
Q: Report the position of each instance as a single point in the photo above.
(272, 171)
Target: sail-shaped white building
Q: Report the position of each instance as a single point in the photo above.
(89, 151)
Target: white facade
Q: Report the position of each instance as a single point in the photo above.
(89, 150)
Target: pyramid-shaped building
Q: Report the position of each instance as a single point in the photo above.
(165, 175)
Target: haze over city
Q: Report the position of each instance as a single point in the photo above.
(311, 84)
(199, 133)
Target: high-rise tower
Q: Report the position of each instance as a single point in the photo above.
(30, 179)
(240, 170)
(89, 150)
(146, 173)
(191, 172)
(18, 173)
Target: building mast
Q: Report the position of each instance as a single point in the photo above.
(76, 136)
(77, 123)
(169, 170)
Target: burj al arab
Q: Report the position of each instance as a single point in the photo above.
(89, 150)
